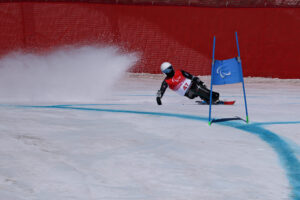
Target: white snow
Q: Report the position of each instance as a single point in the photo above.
(121, 145)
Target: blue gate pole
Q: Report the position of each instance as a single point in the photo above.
(211, 81)
(240, 63)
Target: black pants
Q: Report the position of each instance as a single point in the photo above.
(202, 92)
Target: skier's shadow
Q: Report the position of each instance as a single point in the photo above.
(227, 119)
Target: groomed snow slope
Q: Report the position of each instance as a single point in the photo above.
(121, 145)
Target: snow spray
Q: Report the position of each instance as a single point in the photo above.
(67, 74)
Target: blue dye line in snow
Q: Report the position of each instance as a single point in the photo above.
(286, 155)
(284, 151)
(193, 117)
(274, 123)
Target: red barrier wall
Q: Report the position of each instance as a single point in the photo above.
(269, 37)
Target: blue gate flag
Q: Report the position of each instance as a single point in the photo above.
(227, 72)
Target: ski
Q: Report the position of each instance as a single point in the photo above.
(216, 103)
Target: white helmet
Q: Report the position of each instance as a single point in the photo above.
(166, 68)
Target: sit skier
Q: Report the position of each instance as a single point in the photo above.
(184, 84)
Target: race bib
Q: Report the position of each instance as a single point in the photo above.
(183, 87)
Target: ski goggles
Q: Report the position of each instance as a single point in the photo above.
(168, 70)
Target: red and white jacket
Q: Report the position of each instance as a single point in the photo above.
(179, 82)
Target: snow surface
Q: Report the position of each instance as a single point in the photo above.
(57, 142)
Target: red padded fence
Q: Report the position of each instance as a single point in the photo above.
(269, 37)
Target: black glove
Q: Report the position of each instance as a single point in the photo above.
(158, 97)
(158, 100)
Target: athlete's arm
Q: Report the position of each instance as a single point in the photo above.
(161, 91)
(187, 75)
(193, 78)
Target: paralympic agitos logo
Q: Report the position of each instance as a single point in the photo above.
(223, 72)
